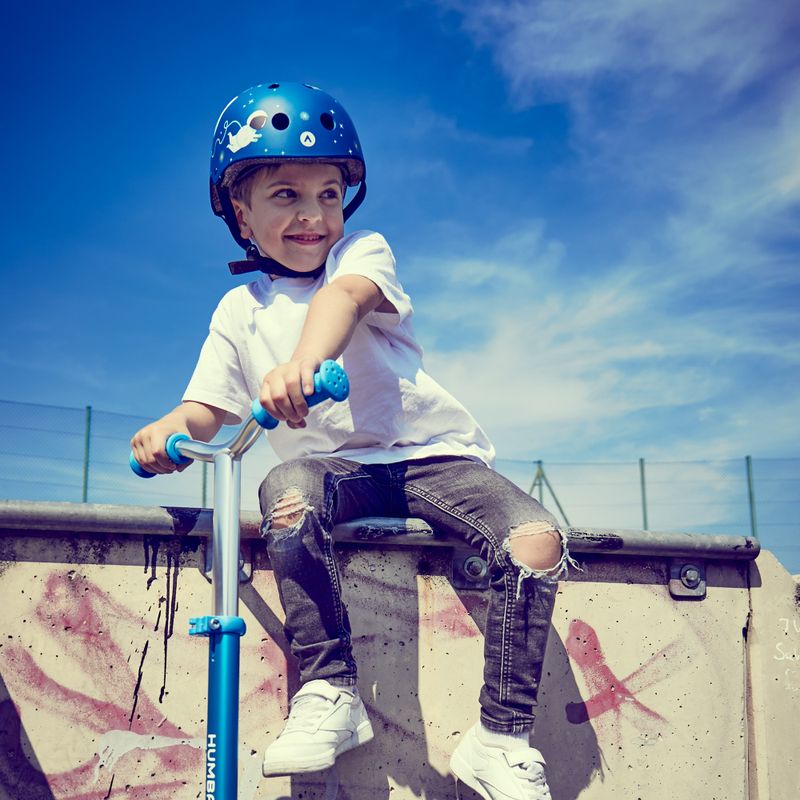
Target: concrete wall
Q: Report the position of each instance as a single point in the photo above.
(643, 696)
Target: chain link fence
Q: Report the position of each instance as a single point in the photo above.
(81, 455)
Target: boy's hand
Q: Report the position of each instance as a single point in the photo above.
(284, 390)
(148, 446)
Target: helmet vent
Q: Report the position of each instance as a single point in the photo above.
(280, 122)
(327, 121)
(273, 86)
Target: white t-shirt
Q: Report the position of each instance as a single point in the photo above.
(395, 410)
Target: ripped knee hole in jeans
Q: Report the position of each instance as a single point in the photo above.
(288, 512)
(538, 529)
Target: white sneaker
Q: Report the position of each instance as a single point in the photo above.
(497, 774)
(324, 721)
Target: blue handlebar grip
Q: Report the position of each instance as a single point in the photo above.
(262, 417)
(138, 468)
(174, 455)
(330, 383)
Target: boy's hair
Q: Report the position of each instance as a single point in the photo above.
(241, 188)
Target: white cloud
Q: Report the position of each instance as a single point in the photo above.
(663, 103)
(657, 97)
(538, 44)
(559, 364)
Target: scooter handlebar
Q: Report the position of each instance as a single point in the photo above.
(330, 383)
(174, 454)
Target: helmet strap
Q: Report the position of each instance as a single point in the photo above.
(255, 262)
(356, 201)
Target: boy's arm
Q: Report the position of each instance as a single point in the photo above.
(198, 420)
(333, 315)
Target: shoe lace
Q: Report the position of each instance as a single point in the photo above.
(306, 711)
(531, 770)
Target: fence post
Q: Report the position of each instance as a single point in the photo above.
(540, 468)
(748, 461)
(644, 492)
(538, 481)
(86, 444)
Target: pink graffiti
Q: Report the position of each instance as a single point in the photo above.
(453, 618)
(79, 616)
(609, 693)
(92, 634)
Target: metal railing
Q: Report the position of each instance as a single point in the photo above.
(85, 460)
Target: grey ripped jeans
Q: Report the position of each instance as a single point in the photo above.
(454, 495)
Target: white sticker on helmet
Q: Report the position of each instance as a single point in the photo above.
(307, 139)
(244, 136)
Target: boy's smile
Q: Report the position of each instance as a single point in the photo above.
(294, 213)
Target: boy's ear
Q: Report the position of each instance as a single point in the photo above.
(241, 211)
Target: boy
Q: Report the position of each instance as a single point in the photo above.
(400, 445)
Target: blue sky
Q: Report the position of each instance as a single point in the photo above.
(593, 206)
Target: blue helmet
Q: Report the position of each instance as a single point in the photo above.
(278, 122)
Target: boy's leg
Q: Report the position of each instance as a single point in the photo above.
(527, 552)
(301, 501)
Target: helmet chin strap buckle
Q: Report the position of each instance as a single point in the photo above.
(255, 262)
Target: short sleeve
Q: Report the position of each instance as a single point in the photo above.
(218, 379)
(368, 254)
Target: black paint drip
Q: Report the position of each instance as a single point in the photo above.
(170, 601)
(138, 684)
(151, 557)
(173, 568)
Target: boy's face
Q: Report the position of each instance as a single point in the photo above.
(295, 213)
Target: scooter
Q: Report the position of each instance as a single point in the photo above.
(225, 627)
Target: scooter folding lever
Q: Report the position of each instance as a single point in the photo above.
(245, 561)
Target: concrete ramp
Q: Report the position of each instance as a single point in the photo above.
(672, 671)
